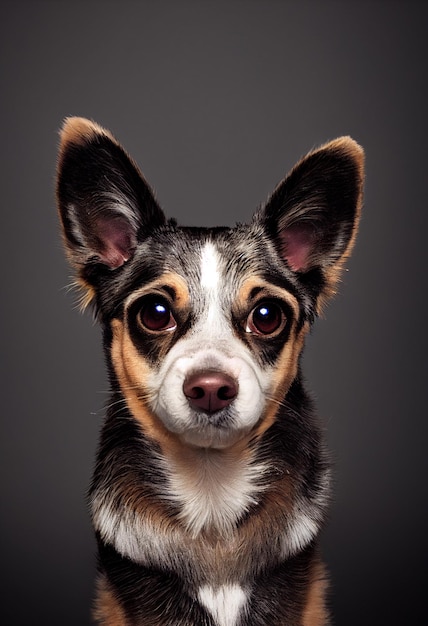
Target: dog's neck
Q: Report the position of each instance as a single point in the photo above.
(212, 488)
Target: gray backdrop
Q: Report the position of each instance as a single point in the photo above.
(216, 100)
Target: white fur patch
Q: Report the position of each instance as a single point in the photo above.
(213, 489)
(306, 519)
(301, 529)
(135, 536)
(224, 603)
(210, 273)
(212, 318)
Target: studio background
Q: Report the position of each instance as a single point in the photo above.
(216, 101)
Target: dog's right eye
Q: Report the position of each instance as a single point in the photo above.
(155, 315)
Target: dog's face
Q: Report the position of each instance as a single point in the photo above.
(208, 340)
(204, 327)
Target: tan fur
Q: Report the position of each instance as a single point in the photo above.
(78, 130)
(315, 612)
(268, 291)
(354, 150)
(107, 611)
(169, 279)
(285, 373)
(130, 369)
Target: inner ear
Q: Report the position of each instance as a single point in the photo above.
(296, 245)
(116, 240)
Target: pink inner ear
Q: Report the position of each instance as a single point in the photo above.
(115, 235)
(297, 244)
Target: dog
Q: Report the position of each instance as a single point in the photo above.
(212, 480)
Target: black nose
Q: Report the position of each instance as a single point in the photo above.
(210, 390)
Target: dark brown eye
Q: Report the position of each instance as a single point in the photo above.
(155, 314)
(266, 318)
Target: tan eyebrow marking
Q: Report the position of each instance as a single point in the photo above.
(170, 282)
(254, 286)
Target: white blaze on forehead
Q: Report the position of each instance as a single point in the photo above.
(224, 603)
(210, 270)
(213, 323)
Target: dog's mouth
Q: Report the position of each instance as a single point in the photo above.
(210, 431)
(223, 419)
(204, 426)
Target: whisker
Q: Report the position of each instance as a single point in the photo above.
(276, 401)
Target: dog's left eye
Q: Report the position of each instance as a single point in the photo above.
(266, 318)
(155, 315)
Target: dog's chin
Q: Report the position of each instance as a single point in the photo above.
(212, 437)
(199, 429)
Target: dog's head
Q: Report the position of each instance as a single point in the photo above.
(204, 327)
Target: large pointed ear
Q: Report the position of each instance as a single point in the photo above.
(105, 205)
(313, 214)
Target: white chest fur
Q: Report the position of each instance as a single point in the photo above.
(212, 488)
(225, 603)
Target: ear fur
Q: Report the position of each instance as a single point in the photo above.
(105, 205)
(313, 213)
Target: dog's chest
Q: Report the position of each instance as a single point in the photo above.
(193, 529)
(212, 489)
